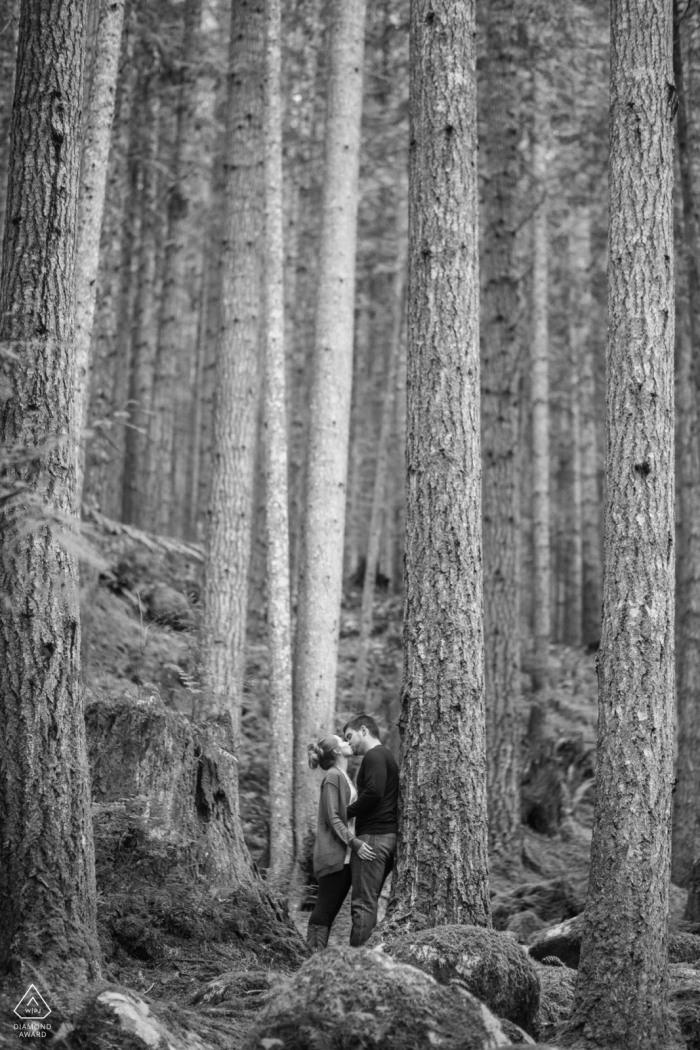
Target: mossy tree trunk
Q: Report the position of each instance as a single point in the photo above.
(442, 857)
(47, 880)
(621, 993)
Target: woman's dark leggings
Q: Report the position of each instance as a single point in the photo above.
(332, 891)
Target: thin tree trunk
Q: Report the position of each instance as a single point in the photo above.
(47, 873)
(379, 508)
(539, 364)
(174, 331)
(500, 423)
(320, 587)
(622, 987)
(591, 547)
(304, 74)
(275, 448)
(146, 130)
(442, 857)
(9, 17)
(93, 179)
(237, 403)
(111, 337)
(686, 808)
(579, 332)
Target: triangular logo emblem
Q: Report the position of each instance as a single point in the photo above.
(32, 1006)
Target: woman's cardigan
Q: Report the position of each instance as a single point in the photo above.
(332, 835)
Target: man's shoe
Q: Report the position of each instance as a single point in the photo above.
(317, 937)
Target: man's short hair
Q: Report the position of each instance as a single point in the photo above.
(362, 720)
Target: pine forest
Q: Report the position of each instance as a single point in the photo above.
(350, 524)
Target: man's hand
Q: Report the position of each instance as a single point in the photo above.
(365, 852)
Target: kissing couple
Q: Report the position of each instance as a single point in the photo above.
(356, 829)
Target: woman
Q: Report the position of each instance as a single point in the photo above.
(334, 838)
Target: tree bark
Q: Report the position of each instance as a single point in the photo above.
(591, 552)
(276, 485)
(173, 350)
(146, 131)
(111, 337)
(442, 856)
(621, 993)
(500, 379)
(539, 364)
(686, 808)
(579, 333)
(9, 17)
(320, 586)
(236, 411)
(93, 179)
(47, 877)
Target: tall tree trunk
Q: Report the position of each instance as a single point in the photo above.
(591, 548)
(236, 412)
(9, 17)
(304, 75)
(442, 857)
(320, 587)
(93, 179)
(146, 130)
(379, 508)
(621, 993)
(500, 423)
(275, 447)
(579, 333)
(172, 364)
(47, 873)
(539, 364)
(111, 335)
(686, 809)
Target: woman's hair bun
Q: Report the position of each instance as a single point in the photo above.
(315, 755)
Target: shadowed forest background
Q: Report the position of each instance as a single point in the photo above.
(349, 365)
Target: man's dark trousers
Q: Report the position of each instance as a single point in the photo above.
(368, 877)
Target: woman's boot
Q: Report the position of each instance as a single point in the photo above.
(317, 937)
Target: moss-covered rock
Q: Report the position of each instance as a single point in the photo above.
(356, 999)
(557, 984)
(684, 998)
(488, 963)
(116, 1019)
(552, 900)
(683, 948)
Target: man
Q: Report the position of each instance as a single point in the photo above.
(376, 822)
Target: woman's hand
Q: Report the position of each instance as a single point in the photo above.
(365, 852)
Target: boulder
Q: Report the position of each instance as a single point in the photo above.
(517, 1035)
(489, 964)
(683, 948)
(692, 907)
(684, 999)
(552, 900)
(357, 999)
(169, 607)
(562, 941)
(119, 1018)
(524, 926)
(557, 984)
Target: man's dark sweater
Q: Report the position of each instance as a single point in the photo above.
(375, 808)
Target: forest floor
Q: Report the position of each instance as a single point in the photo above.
(140, 641)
